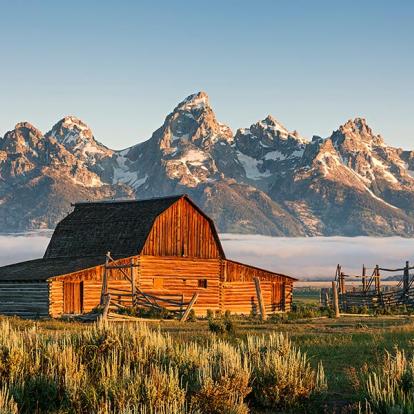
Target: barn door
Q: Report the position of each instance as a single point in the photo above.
(73, 297)
(278, 292)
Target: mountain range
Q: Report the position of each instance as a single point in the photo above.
(261, 179)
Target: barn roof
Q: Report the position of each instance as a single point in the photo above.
(95, 228)
(42, 269)
(82, 239)
(263, 270)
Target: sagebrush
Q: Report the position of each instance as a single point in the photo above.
(130, 368)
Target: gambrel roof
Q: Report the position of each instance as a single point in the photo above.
(120, 227)
(82, 239)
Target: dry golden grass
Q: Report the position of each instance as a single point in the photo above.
(131, 368)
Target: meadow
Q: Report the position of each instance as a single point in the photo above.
(306, 362)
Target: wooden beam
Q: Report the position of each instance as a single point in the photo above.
(120, 268)
(189, 307)
(342, 283)
(406, 280)
(106, 307)
(364, 280)
(335, 299)
(377, 280)
(260, 300)
(105, 280)
(133, 280)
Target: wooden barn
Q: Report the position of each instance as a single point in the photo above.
(161, 248)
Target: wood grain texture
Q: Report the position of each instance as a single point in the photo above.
(182, 231)
(29, 300)
(230, 285)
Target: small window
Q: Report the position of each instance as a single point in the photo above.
(202, 283)
(158, 283)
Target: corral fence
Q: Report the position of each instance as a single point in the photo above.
(369, 292)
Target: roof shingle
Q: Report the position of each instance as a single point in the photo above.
(95, 228)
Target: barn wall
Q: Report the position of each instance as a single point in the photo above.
(92, 285)
(230, 285)
(25, 299)
(239, 292)
(178, 275)
(182, 231)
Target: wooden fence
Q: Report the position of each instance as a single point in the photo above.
(370, 294)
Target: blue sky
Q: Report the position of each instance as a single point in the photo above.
(122, 66)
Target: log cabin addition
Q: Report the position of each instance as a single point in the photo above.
(167, 247)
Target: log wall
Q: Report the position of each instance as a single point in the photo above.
(239, 294)
(92, 285)
(221, 284)
(178, 275)
(25, 299)
(182, 231)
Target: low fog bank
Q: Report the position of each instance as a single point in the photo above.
(305, 258)
(317, 257)
(19, 247)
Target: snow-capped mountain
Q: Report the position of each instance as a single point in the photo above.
(267, 149)
(262, 179)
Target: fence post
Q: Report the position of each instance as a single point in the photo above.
(377, 280)
(105, 280)
(364, 280)
(260, 299)
(133, 282)
(335, 299)
(189, 307)
(342, 285)
(406, 280)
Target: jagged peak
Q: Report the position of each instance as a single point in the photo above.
(22, 138)
(71, 122)
(69, 130)
(29, 126)
(273, 122)
(356, 125)
(270, 123)
(197, 100)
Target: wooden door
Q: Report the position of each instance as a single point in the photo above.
(277, 297)
(72, 297)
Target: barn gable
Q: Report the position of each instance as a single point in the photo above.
(121, 227)
(183, 230)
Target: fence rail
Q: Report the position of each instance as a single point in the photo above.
(371, 295)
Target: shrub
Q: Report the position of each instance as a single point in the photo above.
(210, 314)
(224, 381)
(221, 326)
(304, 311)
(216, 326)
(390, 389)
(218, 396)
(161, 389)
(191, 316)
(7, 404)
(131, 368)
(282, 374)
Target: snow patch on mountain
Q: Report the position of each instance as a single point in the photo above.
(252, 167)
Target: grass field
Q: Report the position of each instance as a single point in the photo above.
(346, 346)
(306, 295)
